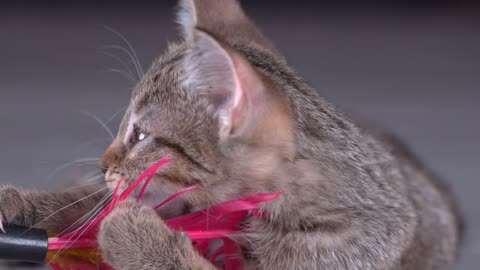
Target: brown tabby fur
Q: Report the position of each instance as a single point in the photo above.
(238, 120)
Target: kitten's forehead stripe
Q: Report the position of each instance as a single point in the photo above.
(162, 76)
(124, 125)
(129, 128)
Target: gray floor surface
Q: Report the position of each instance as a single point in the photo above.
(417, 73)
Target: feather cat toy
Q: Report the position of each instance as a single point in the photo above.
(77, 250)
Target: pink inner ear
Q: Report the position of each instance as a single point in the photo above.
(249, 97)
(232, 86)
(217, 222)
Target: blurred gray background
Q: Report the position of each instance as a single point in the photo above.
(412, 66)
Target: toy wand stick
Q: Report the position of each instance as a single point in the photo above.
(23, 244)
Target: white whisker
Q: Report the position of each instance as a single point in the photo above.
(99, 205)
(96, 212)
(122, 63)
(88, 184)
(82, 229)
(99, 121)
(67, 206)
(134, 57)
(127, 52)
(71, 163)
(121, 72)
(88, 178)
(116, 113)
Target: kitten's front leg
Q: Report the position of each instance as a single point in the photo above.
(52, 211)
(134, 237)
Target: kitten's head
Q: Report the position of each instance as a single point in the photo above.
(226, 124)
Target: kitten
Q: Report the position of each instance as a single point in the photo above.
(238, 120)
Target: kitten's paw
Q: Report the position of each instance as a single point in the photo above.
(12, 207)
(134, 237)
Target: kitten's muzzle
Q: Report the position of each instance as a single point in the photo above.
(112, 177)
(112, 156)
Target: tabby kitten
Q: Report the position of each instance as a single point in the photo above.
(238, 120)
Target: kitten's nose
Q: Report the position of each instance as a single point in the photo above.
(112, 156)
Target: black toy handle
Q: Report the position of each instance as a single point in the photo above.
(23, 244)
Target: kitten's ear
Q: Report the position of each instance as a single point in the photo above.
(245, 101)
(223, 18)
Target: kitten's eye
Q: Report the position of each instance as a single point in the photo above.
(141, 136)
(138, 136)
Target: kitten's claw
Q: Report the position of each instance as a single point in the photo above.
(2, 219)
(181, 232)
